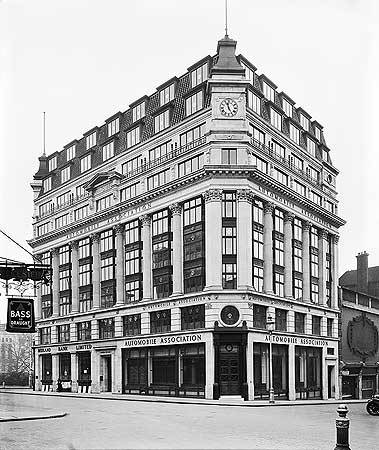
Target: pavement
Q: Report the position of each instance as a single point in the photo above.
(224, 401)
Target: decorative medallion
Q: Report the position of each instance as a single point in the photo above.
(230, 315)
(228, 107)
(362, 336)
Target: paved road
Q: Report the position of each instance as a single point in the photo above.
(112, 424)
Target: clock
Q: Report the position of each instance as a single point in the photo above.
(228, 107)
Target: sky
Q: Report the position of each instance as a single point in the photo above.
(81, 61)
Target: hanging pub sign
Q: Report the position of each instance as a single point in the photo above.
(20, 318)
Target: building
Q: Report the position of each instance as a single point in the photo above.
(178, 231)
(6, 342)
(359, 367)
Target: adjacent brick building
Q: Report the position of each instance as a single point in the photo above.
(359, 368)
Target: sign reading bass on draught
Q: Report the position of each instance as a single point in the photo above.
(20, 318)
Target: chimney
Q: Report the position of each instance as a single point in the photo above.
(362, 272)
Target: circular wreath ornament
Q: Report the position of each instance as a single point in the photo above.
(362, 336)
(230, 315)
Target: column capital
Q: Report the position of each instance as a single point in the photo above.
(54, 251)
(212, 195)
(323, 234)
(74, 245)
(268, 207)
(245, 195)
(176, 209)
(145, 219)
(288, 217)
(336, 238)
(306, 225)
(95, 237)
(119, 228)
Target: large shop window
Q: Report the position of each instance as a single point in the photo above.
(164, 361)
(308, 372)
(259, 316)
(262, 370)
(65, 367)
(135, 368)
(193, 365)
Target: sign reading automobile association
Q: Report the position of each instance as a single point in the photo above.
(166, 340)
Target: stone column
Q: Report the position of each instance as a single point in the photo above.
(177, 249)
(118, 326)
(213, 239)
(147, 257)
(250, 366)
(74, 373)
(334, 270)
(55, 286)
(117, 372)
(145, 323)
(291, 373)
(95, 372)
(306, 263)
(55, 370)
(175, 319)
(120, 265)
(75, 276)
(209, 367)
(96, 271)
(288, 221)
(291, 321)
(244, 239)
(267, 249)
(322, 237)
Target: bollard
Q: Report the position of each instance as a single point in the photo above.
(342, 427)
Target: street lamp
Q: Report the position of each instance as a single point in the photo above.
(270, 323)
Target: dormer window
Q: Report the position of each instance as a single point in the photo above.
(65, 174)
(199, 75)
(52, 163)
(268, 92)
(194, 103)
(91, 140)
(294, 134)
(311, 147)
(167, 94)
(253, 102)
(85, 163)
(138, 112)
(162, 121)
(249, 74)
(304, 122)
(114, 127)
(287, 108)
(133, 137)
(46, 184)
(276, 119)
(318, 133)
(70, 153)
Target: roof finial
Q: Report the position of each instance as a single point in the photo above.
(44, 135)
(226, 18)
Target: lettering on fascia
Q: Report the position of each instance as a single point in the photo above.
(144, 342)
(292, 205)
(113, 219)
(174, 303)
(296, 340)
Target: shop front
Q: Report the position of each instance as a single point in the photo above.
(64, 378)
(84, 371)
(172, 370)
(308, 372)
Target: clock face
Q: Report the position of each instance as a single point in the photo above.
(228, 107)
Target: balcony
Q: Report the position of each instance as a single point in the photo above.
(285, 162)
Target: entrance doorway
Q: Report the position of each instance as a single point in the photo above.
(106, 373)
(229, 361)
(349, 387)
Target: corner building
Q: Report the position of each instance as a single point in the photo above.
(176, 229)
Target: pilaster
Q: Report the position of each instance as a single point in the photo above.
(244, 239)
(267, 248)
(147, 257)
(177, 248)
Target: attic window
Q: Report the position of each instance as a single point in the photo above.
(166, 95)
(52, 163)
(138, 112)
(91, 140)
(318, 133)
(114, 127)
(199, 75)
(287, 108)
(249, 74)
(46, 184)
(304, 122)
(70, 153)
(268, 92)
